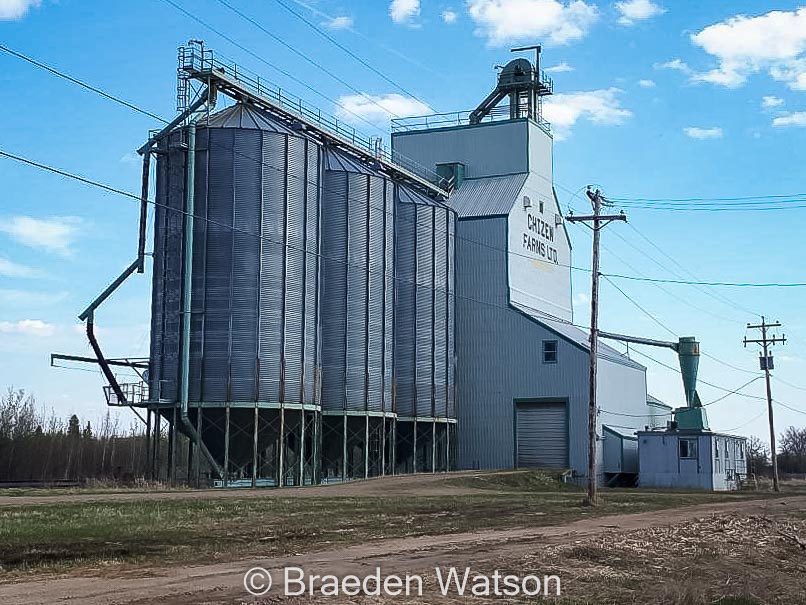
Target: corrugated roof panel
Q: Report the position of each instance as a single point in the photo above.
(242, 115)
(489, 196)
(338, 160)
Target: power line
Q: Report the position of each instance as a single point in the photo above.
(286, 73)
(789, 384)
(358, 33)
(710, 384)
(281, 170)
(352, 54)
(640, 308)
(735, 391)
(543, 316)
(666, 291)
(741, 426)
(707, 199)
(790, 408)
(303, 56)
(672, 332)
(89, 87)
(687, 273)
(707, 283)
(710, 199)
(731, 208)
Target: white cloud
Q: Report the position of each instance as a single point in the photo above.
(768, 102)
(646, 83)
(54, 234)
(27, 298)
(637, 10)
(381, 108)
(559, 68)
(554, 21)
(797, 118)
(581, 299)
(603, 106)
(774, 42)
(9, 268)
(696, 132)
(340, 22)
(674, 64)
(449, 16)
(33, 327)
(11, 10)
(130, 158)
(404, 11)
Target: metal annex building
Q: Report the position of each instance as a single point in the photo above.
(521, 366)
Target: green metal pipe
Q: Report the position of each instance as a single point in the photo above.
(184, 391)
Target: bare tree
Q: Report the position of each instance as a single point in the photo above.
(792, 445)
(758, 456)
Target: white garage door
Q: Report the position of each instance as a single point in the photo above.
(541, 435)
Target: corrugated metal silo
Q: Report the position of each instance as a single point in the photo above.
(254, 286)
(357, 295)
(424, 307)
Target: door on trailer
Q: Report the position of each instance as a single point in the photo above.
(541, 434)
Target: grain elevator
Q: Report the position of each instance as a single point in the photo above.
(327, 309)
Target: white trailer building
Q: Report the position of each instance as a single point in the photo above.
(691, 459)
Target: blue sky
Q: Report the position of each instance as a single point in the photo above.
(656, 100)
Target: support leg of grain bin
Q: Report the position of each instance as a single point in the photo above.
(447, 447)
(226, 446)
(434, 446)
(172, 450)
(366, 447)
(414, 448)
(197, 461)
(302, 446)
(393, 447)
(254, 446)
(384, 441)
(149, 466)
(189, 473)
(281, 449)
(157, 439)
(344, 449)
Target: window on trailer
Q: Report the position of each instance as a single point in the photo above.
(688, 448)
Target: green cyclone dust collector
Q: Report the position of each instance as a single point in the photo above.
(692, 416)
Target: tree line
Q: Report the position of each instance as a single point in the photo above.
(791, 450)
(36, 446)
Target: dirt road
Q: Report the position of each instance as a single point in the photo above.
(223, 583)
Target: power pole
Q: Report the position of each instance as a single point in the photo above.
(599, 222)
(767, 364)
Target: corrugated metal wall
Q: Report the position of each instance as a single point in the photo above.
(504, 147)
(254, 286)
(357, 303)
(500, 359)
(166, 295)
(424, 353)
